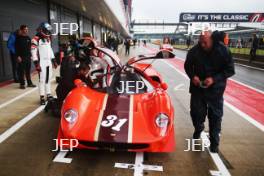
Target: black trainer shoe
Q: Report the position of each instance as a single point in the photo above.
(32, 85)
(22, 87)
(42, 100)
(197, 134)
(49, 97)
(214, 148)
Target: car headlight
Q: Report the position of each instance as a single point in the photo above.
(162, 121)
(71, 115)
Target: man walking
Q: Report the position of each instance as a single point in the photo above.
(208, 65)
(23, 54)
(127, 46)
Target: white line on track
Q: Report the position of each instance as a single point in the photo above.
(20, 123)
(139, 164)
(17, 98)
(23, 121)
(248, 86)
(222, 170)
(216, 158)
(60, 157)
(179, 87)
(245, 116)
(180, 58)
(238, 82)
(178, 71)
(255, 68)
(20, 96)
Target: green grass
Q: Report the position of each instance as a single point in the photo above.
(245, 51)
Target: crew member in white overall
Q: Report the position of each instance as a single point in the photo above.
(43, 58)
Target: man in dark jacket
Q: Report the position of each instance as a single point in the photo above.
(115, 45)
(68, 70)
(23, 54)
(127, 46)
(254, 47)
(208, 65)
(12, 49)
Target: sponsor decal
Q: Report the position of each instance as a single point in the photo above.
(188, 17)
(222, 17)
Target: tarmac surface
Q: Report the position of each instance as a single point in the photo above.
(27, 133)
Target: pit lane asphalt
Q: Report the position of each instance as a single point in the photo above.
(28, 151)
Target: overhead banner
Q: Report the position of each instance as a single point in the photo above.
(222, 17)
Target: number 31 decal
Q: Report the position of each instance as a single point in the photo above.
(111, 120)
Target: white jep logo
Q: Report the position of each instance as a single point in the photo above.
(65, 28)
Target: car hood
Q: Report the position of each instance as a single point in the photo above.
(115, 118)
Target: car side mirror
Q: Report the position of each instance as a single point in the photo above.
(78, 82)
(164, 86)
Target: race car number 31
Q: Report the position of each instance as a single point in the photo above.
(110, 121)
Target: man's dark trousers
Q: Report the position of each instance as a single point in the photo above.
(253, 54)
(24, 68)
(14, 66)
(202, 106)
(127, 50)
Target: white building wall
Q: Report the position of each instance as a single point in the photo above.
(118, 9)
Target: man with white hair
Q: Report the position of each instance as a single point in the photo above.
(208, 65)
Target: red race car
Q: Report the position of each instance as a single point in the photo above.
(127, 109)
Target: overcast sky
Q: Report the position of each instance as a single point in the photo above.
(169, 10)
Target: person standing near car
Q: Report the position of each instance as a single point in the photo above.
(23, 55)
(127, 46)
(144, 43)
(188, 42)
(12, 49)
(254, 47)
(115, 45)
(43, 58)
(208, 65)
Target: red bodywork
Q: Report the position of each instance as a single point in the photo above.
(139, 111)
